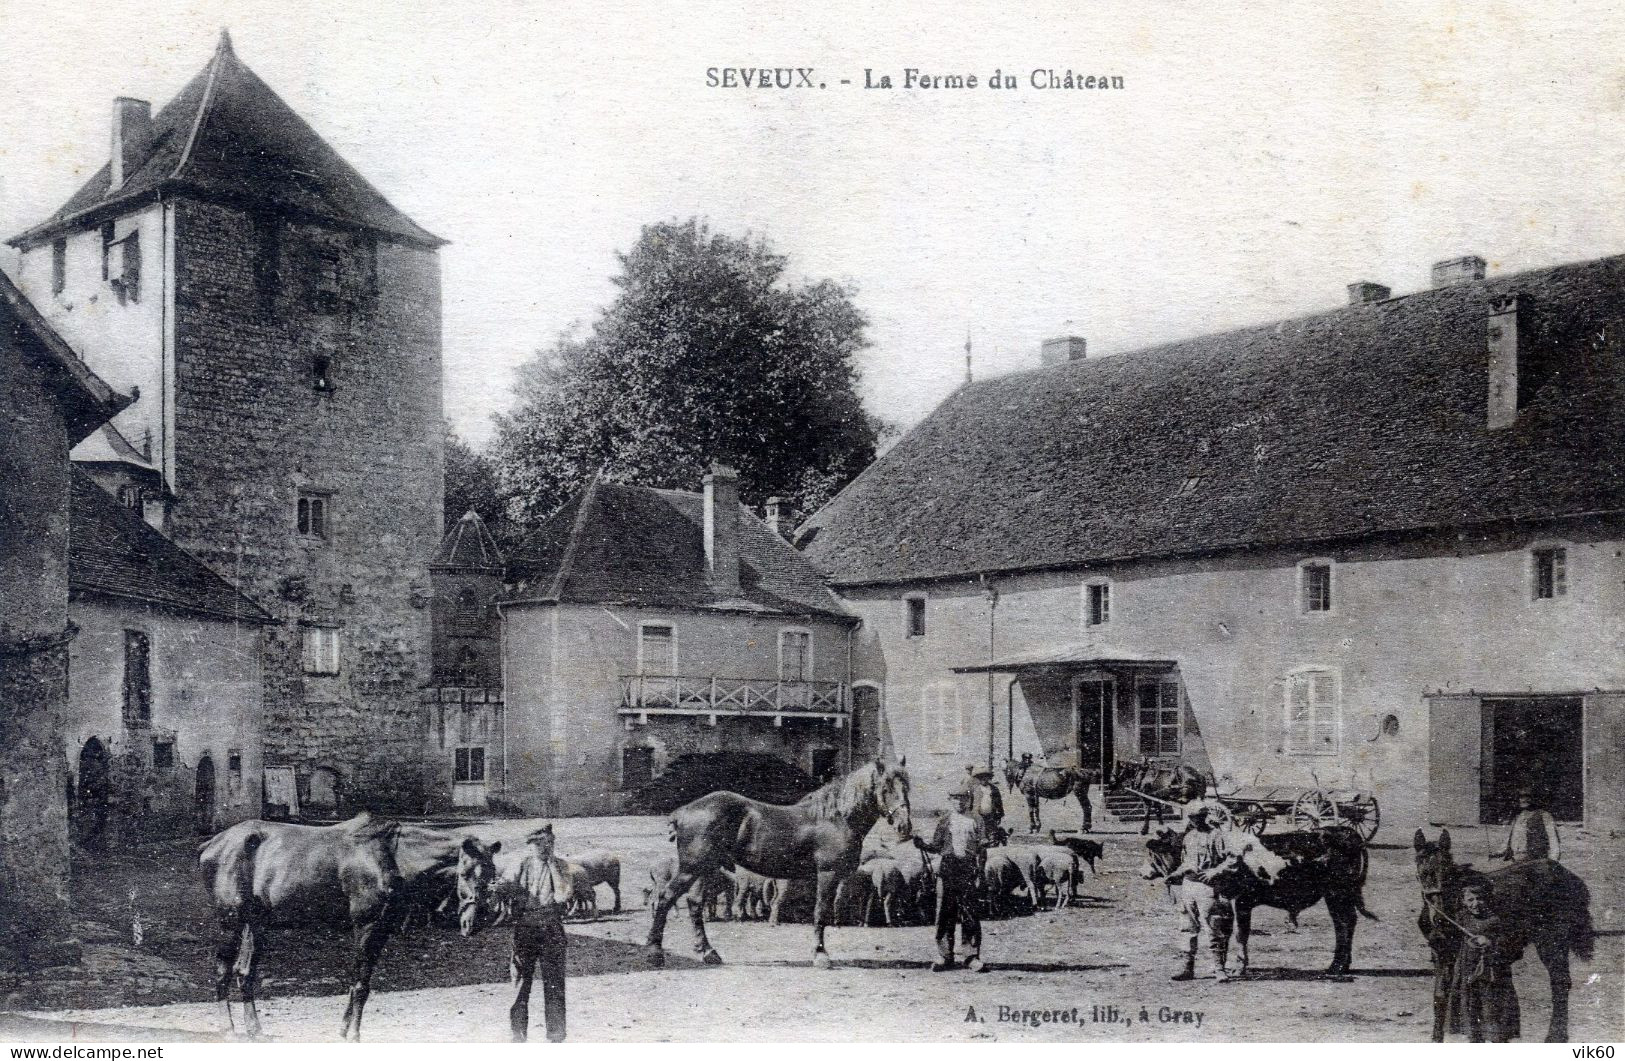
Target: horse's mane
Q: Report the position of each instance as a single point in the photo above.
(837, 798)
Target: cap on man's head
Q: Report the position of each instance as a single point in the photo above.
(982, 771)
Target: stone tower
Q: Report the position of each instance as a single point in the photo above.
(280, 323)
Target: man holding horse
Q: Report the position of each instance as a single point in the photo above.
(963, 847)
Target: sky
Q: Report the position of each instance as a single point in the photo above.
(1260, 157)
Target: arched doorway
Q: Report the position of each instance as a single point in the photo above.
(92, 795)
(203, 796)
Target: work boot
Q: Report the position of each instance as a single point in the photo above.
(1186, 973)
(942, 965)
(976, 965)
(1223, 975)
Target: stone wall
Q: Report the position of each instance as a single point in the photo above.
(307, 365)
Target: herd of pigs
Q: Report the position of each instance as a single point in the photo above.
(894, 885)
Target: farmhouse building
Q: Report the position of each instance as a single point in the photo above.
(49, 401)
(279, 321)
(1377, 549)
(662, 641)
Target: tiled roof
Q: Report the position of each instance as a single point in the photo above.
(1369, 419)
(87, 401)
(228, 135)
(615, 544)
(468, 544)
(112, 552)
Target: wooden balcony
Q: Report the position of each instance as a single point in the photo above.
(712, 697)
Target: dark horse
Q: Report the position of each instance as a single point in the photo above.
(1158, 785)
(1058, 782)
(820, 836)
(365, 874)
(1540, 902)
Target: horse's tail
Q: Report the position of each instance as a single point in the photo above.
(1581, 931)
(1359, 884)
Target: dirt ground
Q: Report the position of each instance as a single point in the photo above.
(1100, 970)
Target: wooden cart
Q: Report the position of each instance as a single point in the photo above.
(1255, 807)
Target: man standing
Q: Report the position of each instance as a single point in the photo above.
(537, 892)
(1204, 859)
(1533, 834)
(989, 806)
(959, 840)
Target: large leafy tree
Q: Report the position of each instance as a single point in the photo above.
(706, 354)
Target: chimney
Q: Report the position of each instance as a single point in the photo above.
(1502, 334)
(722, 529)
(132, 137)
(1366, 291)
(775, 514)
(1065, 348)
(1458, 271)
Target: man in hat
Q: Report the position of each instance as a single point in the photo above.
(1205, 858)
(536, 891)
(1533, 835)
(988, 806)
(958, 839)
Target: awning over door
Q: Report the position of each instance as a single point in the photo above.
(1067, 657)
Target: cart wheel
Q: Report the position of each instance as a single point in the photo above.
(1365, 817)
(1257, 821)
(1314, 811)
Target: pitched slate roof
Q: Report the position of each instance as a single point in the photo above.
(615, 544)
(112, 552)
(87, 401)
(468, 544)
(228, 135)
(1369, 419)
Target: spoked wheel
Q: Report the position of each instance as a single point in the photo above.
(1365, 817)
(1314, 810)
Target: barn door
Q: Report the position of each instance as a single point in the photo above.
(1455, 759)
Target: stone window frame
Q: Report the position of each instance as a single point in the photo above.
(807, 669)
(1302, 587)
(1558, 553)
(1305, 675)
(315, 658)
(1100, 587)
(914, 608)
(310, 522)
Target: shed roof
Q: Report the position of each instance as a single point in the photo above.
(1369, 419)
(112, 552)
(228, 135)
(617, 544)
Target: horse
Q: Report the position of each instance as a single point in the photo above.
(1540, 902)
(1158, 785)
(822, 836)
(1058, 782)
(365, 874)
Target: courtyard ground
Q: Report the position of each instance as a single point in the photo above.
(1106, 961)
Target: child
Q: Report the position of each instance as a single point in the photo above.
(960, 842)
(1482, 995)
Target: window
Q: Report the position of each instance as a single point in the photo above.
(121, 265)
(59, 266)
(321, 370)
(107, 249)
(637, 767)
(1311, 712)
(1315, 586)
(1159, 717)
(325, 291)
(940, 718)
(137, 678)
(321, 650)
(916, 616)
(1550, 573)
(1100, 603)
(312, 515)
(163, 753)
(657, 648)
(234, 771)
(795, 656)
(469, 765)
(132, 497)
(465, 620)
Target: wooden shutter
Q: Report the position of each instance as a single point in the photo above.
(1455, 759)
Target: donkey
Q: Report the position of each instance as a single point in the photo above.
(364, 874)
(1540, 902)
(1058, 782)
(821, 836)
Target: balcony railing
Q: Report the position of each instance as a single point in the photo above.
(643, 695)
